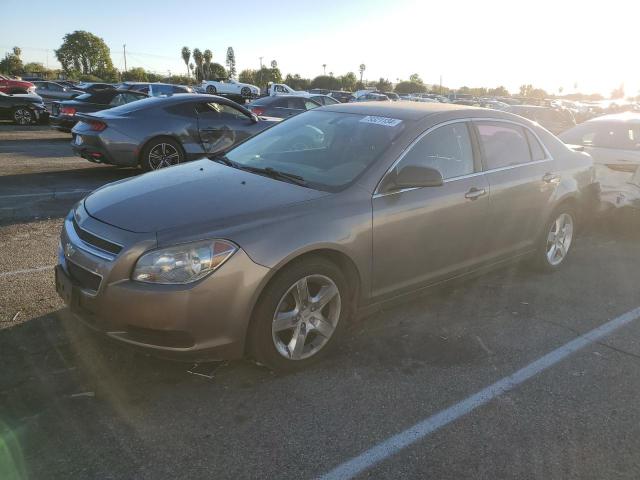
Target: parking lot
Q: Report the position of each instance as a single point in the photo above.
(74, 406)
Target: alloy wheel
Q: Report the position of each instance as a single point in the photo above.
(163, 155)
(559, 239)
(23, 116)
(306, 317)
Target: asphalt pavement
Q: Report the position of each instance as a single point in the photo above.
(74, 406)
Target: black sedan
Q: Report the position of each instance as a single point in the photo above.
(23, 109)
(282, 106)
(64, 113)
(159, 132)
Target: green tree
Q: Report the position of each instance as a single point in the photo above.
(362, 68)
(247, 76)
(525, 90)
(384, 85)
(186, 56)
(410, 87)
(207, 56)
(274, 64)
(617, 93)
(231, 62)
(217, 71)
(11, 64)
(87, 54)
(415, 78)
(297, 82)
(265, 75)
(348, 81)
(499, 92)
(326, 81)
(136, 74)
(199, 59)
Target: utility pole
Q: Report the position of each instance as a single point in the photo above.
(124, 51)
(440, 84)
(260, 62)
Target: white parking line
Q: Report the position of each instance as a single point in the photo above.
(46, 194)
(27, 270)
(422, 429)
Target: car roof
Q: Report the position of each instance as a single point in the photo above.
(399, 110)
(626, 117)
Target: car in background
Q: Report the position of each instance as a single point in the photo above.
(23, 109)
(613, 141)
(324, 99)
(10, 85)
(63, 113)
(155, 89)
(162, 131)
(495, 104)
(556, 120)
(230, 87)
(270, 249)
(55, 91)
(372, 97)
(91, 87)
(319, 91)
(394, 97)
(341, 96)
(282, 106)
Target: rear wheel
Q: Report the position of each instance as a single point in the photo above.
(245, 91)
(160, 153)
(211, 90)
(300, 316)
(23, 116)
(555, 244)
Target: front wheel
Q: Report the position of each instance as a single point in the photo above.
(161, 153)
(23, 116)
(245, 92)
(555, 244)
(300, 316)
(211, 90)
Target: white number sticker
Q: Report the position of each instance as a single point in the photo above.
(386, 121)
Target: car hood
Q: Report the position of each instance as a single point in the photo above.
(200, 192)
(29, 97)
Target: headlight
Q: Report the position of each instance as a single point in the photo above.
(183, 263)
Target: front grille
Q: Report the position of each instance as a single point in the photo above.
(95, 241)
(83, 278)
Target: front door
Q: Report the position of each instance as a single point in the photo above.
(221, 126)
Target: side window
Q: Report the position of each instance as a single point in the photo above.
(447, 149)
(308, 105)
(503, 144)
(537, 152)
(617, 136)
(119, 99)
(223, 112)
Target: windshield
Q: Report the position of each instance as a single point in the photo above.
(329, 150)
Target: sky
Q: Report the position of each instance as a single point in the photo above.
(551, 44)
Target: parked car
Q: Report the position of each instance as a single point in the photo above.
(23, 109)
(271, 247)
(283, 89)
(394, 97)
(283, 106)
(230, 87)
(10, 85)
(324, 99)
(372, 97)
(556, 120)
(155, 89)
(92, 87)
(158, 132)
(63, 113)
(614, 143)
(342, 97)
(55, 91)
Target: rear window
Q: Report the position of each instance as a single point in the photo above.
(503, 144)
(101, 98)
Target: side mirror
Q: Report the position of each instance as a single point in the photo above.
(254, 118)
(411, 176)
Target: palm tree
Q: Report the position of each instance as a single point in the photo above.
(324, 68)
(207, 63)
(186, 55)
(198, 58)
(363, 67)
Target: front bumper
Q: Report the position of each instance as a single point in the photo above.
(206, 320)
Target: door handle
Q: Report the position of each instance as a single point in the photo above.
(475, 193)
(550, 178)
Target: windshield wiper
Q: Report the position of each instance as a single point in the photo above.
(223, 160)
(273, 173)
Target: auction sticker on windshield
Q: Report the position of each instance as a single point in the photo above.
(387, 122)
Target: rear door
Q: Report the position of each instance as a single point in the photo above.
(221, 125)
(422, 235)
(522, 176)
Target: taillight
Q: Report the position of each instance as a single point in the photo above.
(257, 111)
(68, 111)
(97, 126)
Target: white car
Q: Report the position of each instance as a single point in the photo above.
(614, 143)
(276, 89)
(230, 87)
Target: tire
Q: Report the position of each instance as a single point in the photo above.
(245, 92)
(211, 90)
(23, 116)
(552, 250)
(272, 343)
(160, 153)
